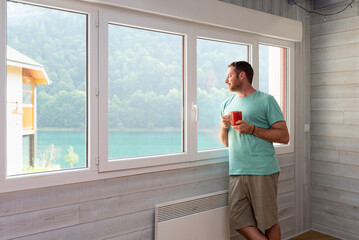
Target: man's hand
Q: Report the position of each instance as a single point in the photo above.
(243, 127)
(226, 121)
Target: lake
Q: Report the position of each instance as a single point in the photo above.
(121, 144)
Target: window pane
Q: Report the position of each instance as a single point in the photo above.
(213, 57)
(54, 129)
(273, 73)
(144, 92)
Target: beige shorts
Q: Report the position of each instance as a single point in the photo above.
(253, 201)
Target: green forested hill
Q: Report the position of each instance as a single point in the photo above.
(145, 71)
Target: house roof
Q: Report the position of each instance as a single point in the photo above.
(35, 69)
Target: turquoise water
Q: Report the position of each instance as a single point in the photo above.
(121, 144)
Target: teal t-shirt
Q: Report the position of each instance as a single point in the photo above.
(248, 154)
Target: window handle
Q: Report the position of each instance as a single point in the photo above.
(195, 108)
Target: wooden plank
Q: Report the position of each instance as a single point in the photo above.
(275, 7)
(336, 169)
(336, 117)
(335, 39)
(337, 52)
(341, 25)
(286, 199)
(351, 117)
(38, 221)
(102, 229)
(248, 4)
(335, 208)
(286, 186)
(337, 182)
(145, 234)
(238, 2)
(286, 173)
(287, 227)
(285, 212)
(267, 6)
(334, 231)
(283, 8)
(335, 104)
(335, 91)
(286, 159)
(125, 204)
(336, 65)
(332, 194)
(323, 154)
(335, 78)
(35, 199)
(338, 143)
(335, 130)
(258, 5)
(338, 222)
(349, 12)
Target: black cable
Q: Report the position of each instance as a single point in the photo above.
(321, 14)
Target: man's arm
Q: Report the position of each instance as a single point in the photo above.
(278, 132)
(223, 134)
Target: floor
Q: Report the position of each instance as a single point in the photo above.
(313, 235)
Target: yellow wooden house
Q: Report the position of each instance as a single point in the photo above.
(23, 75)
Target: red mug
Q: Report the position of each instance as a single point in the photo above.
(235, 116)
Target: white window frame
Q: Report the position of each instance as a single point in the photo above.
(98, 165)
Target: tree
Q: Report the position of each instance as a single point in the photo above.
(72, 157)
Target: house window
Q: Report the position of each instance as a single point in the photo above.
(213, 57)
(145, 97)
(47, 79)
(273, 73)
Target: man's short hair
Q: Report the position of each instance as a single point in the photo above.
(243, 66)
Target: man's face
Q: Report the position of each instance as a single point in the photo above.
(232, 80)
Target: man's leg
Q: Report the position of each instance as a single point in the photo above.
(274, 232)
(252, 233)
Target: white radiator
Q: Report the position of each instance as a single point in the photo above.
(202, 217)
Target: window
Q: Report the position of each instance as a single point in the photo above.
(213, 57)
(46, 78)
(273, 73)
(144, 92)
(93, 91)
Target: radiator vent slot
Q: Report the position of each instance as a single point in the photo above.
(185, 207)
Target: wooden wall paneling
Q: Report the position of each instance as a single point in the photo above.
(102, 229)
(336, 65)
(334, 117)
(286, 199)
(125, 204)
(343, 77)
(287, 227)
(351, 117)
(336, 104)
(238, 2)
(337, 52)
(283, 8)
(339, 143)
(267, 6)
(334, 231)
(258, 5)
(335, 208)
(139, 235)
(349, 12)
(38, 221)
(337, 182)
(342, 25)
(335, 39)
(275, 7)
(248, 4)
(345, 224)
(17, 202)
(336, 169)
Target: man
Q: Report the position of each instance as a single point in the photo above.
(253, 166)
